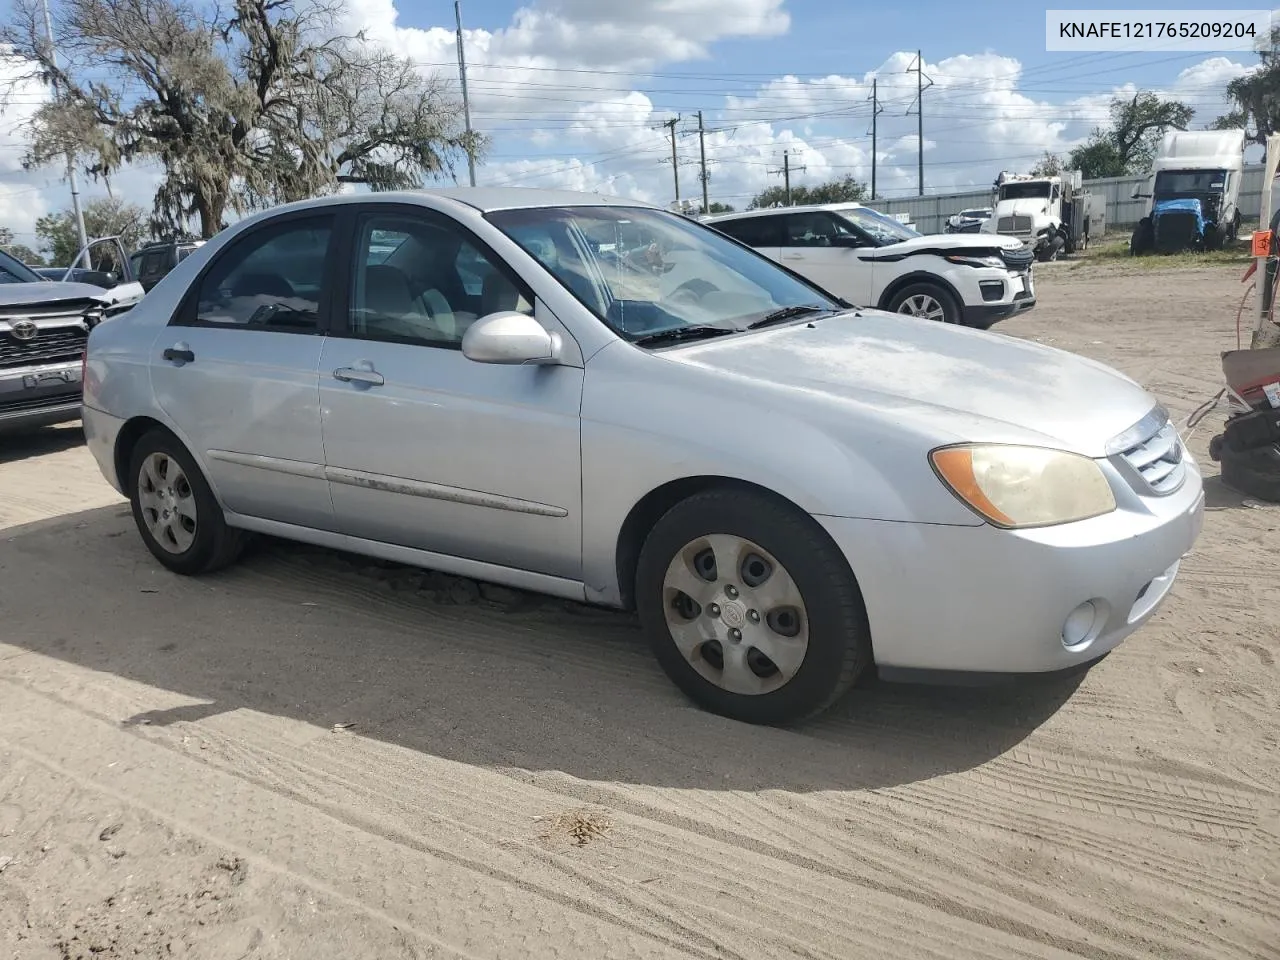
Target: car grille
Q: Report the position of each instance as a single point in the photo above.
(1176, 232)
(49, 346)
(66, 310)
(1015, 224)
(1154, 458)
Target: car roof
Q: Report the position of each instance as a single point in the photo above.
(483, 199)
(778, 211)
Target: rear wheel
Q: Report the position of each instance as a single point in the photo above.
(927, 301)
(750, 608)
(176, 513)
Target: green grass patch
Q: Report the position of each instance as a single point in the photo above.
(1117, 251)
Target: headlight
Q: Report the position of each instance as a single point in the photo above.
(1013, 486)
(977, 261)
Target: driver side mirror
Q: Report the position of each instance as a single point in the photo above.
(843, 240)
(1138, 194)
(508, 337)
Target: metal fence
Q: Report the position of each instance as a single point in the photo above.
(929, 213)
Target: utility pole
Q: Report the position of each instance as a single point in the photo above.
(918, 70)
(466, 102)
(675, 164)
(876, 110)
(703, 175)
(71, 160)
(786, 174)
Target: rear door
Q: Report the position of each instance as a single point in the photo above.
(827, 250)
(236, 369)
(762, 233)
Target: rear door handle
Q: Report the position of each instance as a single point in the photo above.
(793, 256)
(356, 375)
(179, 353)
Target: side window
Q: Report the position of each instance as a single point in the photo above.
(817, 229)
(421, 281)
(753, 231)
(270, 278)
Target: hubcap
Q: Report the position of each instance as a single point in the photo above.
(923, 305)
(167, 502)
(735, 614)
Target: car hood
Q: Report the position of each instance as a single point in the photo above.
(973, 385)
(47, 291)
(945, 243)
(1025, 206)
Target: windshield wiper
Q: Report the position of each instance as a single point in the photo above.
(681, 335)
(786, 313)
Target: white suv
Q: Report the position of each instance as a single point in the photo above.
(871, 260)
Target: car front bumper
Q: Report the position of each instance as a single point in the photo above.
(992, 295)
(978, 599)
(39, 395)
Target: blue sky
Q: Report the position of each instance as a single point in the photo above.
(775, 75)
(573, 92)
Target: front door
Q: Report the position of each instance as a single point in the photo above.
(430, 450)
(822, 247)
(236, 370)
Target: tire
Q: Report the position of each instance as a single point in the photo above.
(195, 538)
(1143, 239)
(922, 294)
(816, 627)
(1052, 249)
(1213, 239)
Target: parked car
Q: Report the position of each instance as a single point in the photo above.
(788, 490)
(870, 259)
(153, 261)
(968, 221)
(44, 325)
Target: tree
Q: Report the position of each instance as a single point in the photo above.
(242, 104)
(1050, 165)
(1097, 159)
(103, 217)
(18, 251)
(841, 190)
(718, 207)
(1129, 143)
(1256, 96)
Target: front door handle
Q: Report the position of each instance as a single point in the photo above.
(179, 353)
(793, 256)
(358, 375)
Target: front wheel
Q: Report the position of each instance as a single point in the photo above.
(927, 301)
(750, 608)
(175, 510)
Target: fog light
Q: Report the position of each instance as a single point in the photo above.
(1079, 629)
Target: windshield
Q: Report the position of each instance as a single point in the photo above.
(1173, 182)
(882, 228)
(974, 214)
(1025, 191)
(645, 272)
(13, 270)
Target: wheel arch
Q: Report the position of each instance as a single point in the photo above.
(650, 508)
(127, 439)
(919, 276)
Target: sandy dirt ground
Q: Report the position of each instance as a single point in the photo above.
(313, 756)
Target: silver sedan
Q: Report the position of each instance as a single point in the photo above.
(601, 400)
